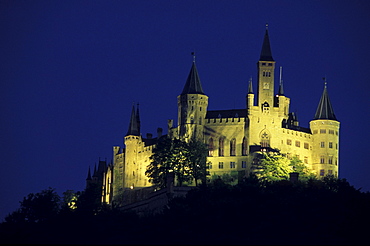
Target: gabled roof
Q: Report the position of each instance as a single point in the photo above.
(324, 109)
(193, 85)
(266, 54)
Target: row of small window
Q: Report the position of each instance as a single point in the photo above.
(306, 145)
(330, 172)
(297, 143)
(330, 160)
(266, 74)
(232, 165)
(323, 131)
(322, 145)
(269, 64)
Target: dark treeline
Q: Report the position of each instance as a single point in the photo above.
(317, 212)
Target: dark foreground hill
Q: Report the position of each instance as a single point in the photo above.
(329, 212)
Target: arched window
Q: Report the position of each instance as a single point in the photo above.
(244, 146)
(232, 147)
(210, 147)
(265, 139)
(221, 147)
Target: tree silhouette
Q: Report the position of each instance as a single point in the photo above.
(37, 207)
(186, 160)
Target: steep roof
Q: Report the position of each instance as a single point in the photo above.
(193, 85)
(266, 54)
(134, 125)
(250, 87)
(88, 175)
(324, 109)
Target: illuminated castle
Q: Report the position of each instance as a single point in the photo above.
(232, 136)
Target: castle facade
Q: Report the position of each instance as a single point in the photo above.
(232, 136)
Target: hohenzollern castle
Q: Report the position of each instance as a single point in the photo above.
(232, 136)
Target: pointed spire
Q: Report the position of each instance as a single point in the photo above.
(88, 175)
(281, 87)
(250, 88)
(266, 54)
(138, 118)
(193, 85)
(133, 128)
(324, 109)
(94, 174)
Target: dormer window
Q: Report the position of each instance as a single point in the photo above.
(265, 106)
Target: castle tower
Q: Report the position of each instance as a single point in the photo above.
(192, 107)
(266, 70)
(325, 131)
(132, 140)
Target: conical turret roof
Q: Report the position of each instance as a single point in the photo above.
(324, 109)
(193, 85)
(266, 54)
(133, 128)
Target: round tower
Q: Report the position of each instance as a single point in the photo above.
(192, 108)
(325, 135)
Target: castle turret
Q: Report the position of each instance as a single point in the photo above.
(133, 142)
(325, 131)
(192, 107)
(266, 70)
(250, 96)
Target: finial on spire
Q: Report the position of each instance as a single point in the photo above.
(267, 25)
(193, 54)
(325, 83)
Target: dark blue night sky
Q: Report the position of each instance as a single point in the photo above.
(71, 70)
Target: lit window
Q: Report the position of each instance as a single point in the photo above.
(330, 172)
(314, 131)
(305, 160)
(306, 145)
(289, 142)
(220, 165)
(297, 144)
(322, 159)
(210, 147)
(265, 139)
